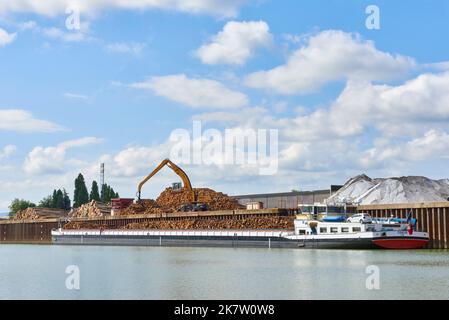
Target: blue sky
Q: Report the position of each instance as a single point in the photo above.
(351, 100)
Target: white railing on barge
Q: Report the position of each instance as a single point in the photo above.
(191, 233)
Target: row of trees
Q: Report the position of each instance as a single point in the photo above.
(82, 196)
(60, 199)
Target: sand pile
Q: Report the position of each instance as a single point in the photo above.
(364, 190)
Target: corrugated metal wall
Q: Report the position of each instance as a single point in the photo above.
(432, 218)
(35, 232)
(287, 201)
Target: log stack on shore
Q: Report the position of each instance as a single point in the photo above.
(92, 209)
(38, 213)
(170, 201)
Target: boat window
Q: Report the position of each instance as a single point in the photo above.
(334, 230)
(345, 229)
(321, 209)
(302, 232)
(323, 230)
(356, 229)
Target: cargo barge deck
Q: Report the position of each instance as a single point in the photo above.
(307, 234)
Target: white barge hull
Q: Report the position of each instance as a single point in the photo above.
(244, 239)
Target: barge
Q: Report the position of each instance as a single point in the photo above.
(306, 234)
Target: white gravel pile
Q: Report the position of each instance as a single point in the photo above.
(364, 190)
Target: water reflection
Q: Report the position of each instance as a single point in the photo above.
(33, 272)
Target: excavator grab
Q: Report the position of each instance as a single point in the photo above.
(194, 205)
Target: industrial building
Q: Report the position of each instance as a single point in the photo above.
(287, 200)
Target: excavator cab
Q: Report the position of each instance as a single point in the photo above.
(176, 186)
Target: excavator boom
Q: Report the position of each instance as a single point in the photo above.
(185, 179)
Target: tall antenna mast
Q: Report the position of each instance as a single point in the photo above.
(102, 181)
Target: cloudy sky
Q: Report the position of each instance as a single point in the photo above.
(345, 99)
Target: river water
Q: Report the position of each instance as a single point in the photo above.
(39, 272)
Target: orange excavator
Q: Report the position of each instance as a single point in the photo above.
(195, 203)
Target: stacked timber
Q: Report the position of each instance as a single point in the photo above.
(170, 201)
(92, 209)
(143, 207)
(38, 213)
(253, 223)
(81, 225)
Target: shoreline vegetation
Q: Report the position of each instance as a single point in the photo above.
(60, 199)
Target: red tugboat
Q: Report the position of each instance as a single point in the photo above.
(401, 242)
(409, 239)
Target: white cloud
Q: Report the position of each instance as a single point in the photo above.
(197, 93)
(23, 121)
(331, 56)
(406, 110)
(406, 123)
(62, 35)
(6, 38)
(75, 96)
(228, 8)
(57, 33)
(124, 47)
(232, 118)
(4, 206)
(52, 160)
(28, 25)
(236, 43)
(7, 151)
(82, 142)
(441, 66)
(417, 105)
(433, 145)
(137, 160)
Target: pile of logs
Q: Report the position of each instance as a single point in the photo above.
(81, 225)
(170, 201)
(38, 213)
(92, 209)
(254, 223)
(143, 207)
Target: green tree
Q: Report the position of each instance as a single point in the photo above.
(19, 205)
(47, 202)
(108, 193)
(81, 195)
(66, 200)
(54, 198)
(59, 202)
(94, 193)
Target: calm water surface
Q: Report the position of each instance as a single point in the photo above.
(38, 272)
